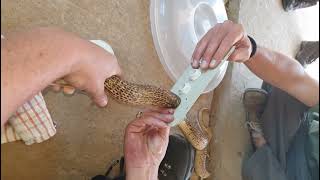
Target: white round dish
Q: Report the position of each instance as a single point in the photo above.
(177, 26)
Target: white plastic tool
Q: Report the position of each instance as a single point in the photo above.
(190, 86)
(177, 26)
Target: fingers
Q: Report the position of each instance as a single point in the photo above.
(199, 50)
(160, 110)
(151, 119)
(67, 89)
(213, 64)
(235, 35)
(166, 118)
(99, 97)
(55, 87)
(151, 122)
(213, 47)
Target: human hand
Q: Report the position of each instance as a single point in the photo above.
(90, 73)
(91, 65)
(215, 44)
(145, 144)
(32, 60)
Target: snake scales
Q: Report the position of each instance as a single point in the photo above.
(199, 136)
(137, 94)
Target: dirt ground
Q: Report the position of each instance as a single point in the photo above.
(88, 138)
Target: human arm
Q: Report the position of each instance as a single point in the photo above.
(286, 74)
(273, 67)
(146, 141)
(32, 60)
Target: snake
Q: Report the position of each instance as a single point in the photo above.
(198, 134)
(133, 94)
(138, 94)
(199, 137)
(200, 162)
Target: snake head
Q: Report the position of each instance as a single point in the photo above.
(174, 100)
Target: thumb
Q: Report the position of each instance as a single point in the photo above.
(100, 98)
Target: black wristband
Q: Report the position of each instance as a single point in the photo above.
(253, 45)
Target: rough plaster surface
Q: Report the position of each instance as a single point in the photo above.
(88, 138)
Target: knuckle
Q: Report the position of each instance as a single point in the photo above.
(239, 28)
(209, 51)
(228, 22)
(220, 53)
(218, 25)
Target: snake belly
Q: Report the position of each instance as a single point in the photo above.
(137, 94)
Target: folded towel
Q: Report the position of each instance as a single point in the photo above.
(31, 123)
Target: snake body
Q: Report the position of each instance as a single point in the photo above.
(137, 94)
(197, 134)
(199, 137)
(200, 162)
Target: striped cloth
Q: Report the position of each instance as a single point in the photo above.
(31, 123)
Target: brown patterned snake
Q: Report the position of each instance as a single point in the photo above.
(134, 94)
(199, 137)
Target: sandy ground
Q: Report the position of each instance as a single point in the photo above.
(88, 138)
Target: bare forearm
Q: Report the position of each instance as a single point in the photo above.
(28, 64)
(286, 74)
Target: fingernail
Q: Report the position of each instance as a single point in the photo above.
(195, 63)
(204, 64)
(212, 63)
(56, 87)
(171, 111)
(103, 102)
(69, 90)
